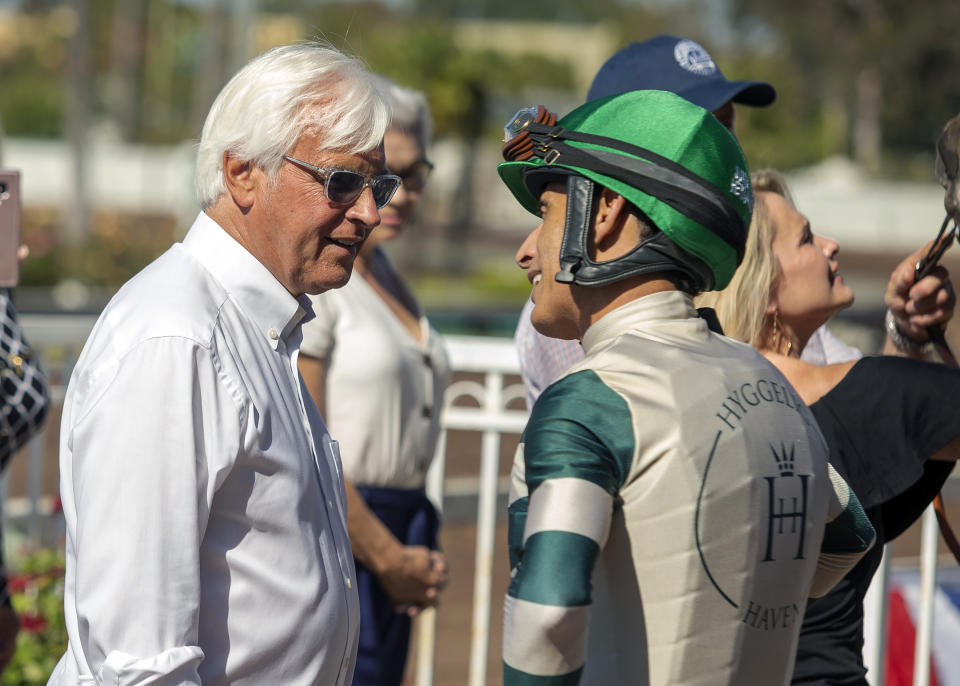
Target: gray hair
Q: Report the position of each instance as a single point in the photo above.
(278, 97)
(410, 110)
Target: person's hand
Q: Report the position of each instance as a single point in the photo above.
(23, 252)
(414, 577)
(918, 305)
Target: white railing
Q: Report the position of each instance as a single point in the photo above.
(875, 608)
(58, 339)
(494, 358)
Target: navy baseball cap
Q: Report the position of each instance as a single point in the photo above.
(678, 65)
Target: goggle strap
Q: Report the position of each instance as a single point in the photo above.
(697, 200)
(694, 198)
(518, 148)
(549, 137)
(541, 134)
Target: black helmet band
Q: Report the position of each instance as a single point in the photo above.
(664, 179)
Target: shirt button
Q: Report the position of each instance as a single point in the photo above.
(349, 584)
(330, 504)
(273, 334)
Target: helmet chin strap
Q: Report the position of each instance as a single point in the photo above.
(654, 254)
(581, 193)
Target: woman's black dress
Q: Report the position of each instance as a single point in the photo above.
(881, 423)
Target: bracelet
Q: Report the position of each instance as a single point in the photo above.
(901, 341)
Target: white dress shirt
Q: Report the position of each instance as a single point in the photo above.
(384, 389)
(204, 503)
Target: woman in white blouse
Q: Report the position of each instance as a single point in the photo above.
(377, 372)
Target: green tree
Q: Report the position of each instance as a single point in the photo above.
(872, 73)
(421, 53)
(461, 86)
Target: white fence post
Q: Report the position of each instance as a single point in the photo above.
(875, 622)
(486, 522)
(494, 358)
(928, 587)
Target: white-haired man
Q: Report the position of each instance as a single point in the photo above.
(203, 496)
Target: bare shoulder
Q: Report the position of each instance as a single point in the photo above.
(811, 381)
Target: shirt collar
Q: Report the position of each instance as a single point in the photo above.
(265, 300)
(643, 313)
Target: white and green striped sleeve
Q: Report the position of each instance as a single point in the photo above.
(847, 536)
(578, 447)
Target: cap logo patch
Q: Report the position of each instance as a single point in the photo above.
(740, 187)
(692, 57)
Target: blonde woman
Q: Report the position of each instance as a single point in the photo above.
(890, 433)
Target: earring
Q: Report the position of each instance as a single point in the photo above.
(778, 333)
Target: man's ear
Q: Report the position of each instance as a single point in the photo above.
(610, 219)
(238, 175)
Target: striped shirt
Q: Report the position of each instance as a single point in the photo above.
(667, 512)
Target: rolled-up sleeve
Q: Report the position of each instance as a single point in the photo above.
(151, 436)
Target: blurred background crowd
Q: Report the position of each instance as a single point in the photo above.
(102, 100)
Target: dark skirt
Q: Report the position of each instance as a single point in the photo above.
(385, 633)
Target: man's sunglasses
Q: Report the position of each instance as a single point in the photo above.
(343, 186)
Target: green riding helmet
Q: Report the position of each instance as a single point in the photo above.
(679, 166)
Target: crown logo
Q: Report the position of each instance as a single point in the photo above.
(784, 459)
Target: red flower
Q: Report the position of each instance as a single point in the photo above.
(32, 624)
(17, 583)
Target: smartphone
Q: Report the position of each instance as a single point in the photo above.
(9, 227)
